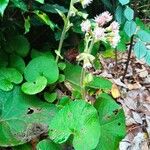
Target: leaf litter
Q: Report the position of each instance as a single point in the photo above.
(134, 96)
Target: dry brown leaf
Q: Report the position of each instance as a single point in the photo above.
(115, 91)
(134, 86)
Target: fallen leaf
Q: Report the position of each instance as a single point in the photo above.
(115, 91)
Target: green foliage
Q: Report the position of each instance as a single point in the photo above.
(17, 123)
(47, 145)
(79, 119)
(112, 123)
(3, 5)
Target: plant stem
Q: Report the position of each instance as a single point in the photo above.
(63, 34)
(129, 55)
(83, 72)
(116, 62)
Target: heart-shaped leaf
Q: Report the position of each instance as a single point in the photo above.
(79, 119)
(23, 117)
(129, 13)
(18, 44)
(47, 145)
(42, 66)
(124, 2)
(31, 88)
(112, 123)
(50, 97)
(9, 77)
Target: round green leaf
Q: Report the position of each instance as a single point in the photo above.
(47, 145)
(112, 123)
(62, 66)
(79, 119)
(17, 62)
(61, 78)
(130, 28)
(18, 44)
(32, 88)
(23, 117)
(9, 77)
(129, 13)
(50, 97)
(143, 35)
(42, 66)
(140, 49)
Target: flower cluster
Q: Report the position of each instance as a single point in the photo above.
(99, 33)
(86, 3)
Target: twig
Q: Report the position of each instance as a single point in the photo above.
(128, 60)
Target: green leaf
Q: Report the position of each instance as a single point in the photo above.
(130, 28)
(73, 75)
(45, 18)
(3, 5)
(61, 66)
(17, 62)
(23, 147)
(20, 4)
(119, 15)
(124, 2)
(47, 145)
(147, 58)
(52, 8)
(112, 123)
(129, 13)
(143, 35)
(32, 88)
(100, 83)
(40, 1)
(23, 117)
(79, 119)
(27, 25)
(18, 44)
(140, 49)
(9, 77)
(42, 66)
(61, 78)
(50, 97)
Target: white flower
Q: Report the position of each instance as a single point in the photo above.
(99, 33)
(85, 26)
(114, 40)
(86, 3)
(103, 18)
(114, 27)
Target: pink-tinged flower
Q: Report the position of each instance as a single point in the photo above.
(114, 40)
(103, 18)
(86, 3)
(99, 33)
(114, 27)
(85, 26)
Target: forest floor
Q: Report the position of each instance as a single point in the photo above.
(134, 95)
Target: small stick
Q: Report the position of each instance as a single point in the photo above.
(128, 60)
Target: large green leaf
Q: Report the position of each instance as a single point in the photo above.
(3, 5)
(9, 77)
(119, 14)
(79, 119)
(140, 49)
(112, 123)
(42, 66)
(47, 145)
(20, 4)
(18, 44)
(22, 117)
(130, 28)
